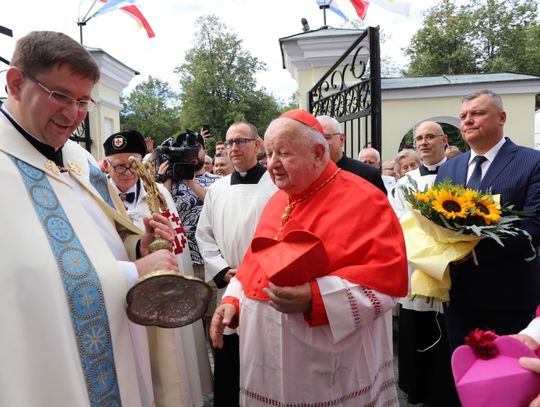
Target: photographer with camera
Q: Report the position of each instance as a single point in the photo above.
(180, 166)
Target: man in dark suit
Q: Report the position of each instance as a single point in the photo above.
(336, 138)
(495, 287)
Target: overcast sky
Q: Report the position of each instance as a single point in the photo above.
(259, 23)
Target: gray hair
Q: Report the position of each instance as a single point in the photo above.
(335, 124)
(406, 152)
(496, 99)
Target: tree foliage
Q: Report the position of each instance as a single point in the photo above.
(152, 108)
(477, 37)
(218, 84)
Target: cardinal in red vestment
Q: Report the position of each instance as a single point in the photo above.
(314, 293)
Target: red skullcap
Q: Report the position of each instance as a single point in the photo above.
(304, 117)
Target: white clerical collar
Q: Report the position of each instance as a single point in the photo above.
(435, 166)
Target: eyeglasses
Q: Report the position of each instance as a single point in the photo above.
(121, 168)
(427, 137)
(330, 135)
(60, 99)
(240, 142)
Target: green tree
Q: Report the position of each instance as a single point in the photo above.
(218, 84)
(478, 37)
(152, 108)
(443, 44)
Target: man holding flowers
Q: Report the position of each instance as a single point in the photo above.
(495, 287)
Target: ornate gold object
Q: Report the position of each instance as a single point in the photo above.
(164, 298)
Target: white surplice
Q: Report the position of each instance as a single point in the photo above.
(348, 363)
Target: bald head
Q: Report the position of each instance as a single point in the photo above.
(430, 142)
(297, 154)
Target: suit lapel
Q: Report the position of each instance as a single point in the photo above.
(461, 170)
(505, 155)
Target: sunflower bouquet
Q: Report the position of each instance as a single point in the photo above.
(444, 225)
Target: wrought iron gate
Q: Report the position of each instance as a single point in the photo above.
(351, 93)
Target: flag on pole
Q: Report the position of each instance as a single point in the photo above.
(394, 6)
(111, 5)
(334, 7)
(361, 7)
(129, 7)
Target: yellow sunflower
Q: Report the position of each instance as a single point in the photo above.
(451, 206)
(421, 197)
(487, 209)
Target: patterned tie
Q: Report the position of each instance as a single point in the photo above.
(130, 196)
(476, 177)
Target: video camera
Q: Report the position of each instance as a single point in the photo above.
(182, 155)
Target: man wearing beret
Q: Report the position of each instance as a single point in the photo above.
(184, 376)
(314, 293)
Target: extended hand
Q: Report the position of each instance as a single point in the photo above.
(222, 318)
(290, 300)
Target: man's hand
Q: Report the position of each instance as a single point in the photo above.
(159, 260)
(229, 275)
(221, 319)
(290, 300)
(162, 170)
(205, 133)
(156, 225)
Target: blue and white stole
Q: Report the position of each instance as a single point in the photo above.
(83, 290)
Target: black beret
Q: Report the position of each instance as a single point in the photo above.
(125, 142)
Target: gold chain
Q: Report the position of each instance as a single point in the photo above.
(291, 205)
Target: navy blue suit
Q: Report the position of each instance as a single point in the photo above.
(502, 292)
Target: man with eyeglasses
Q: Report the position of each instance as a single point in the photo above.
(190, 372)
(335, 138)
(67, 244)
(229, 216)
(425, 376)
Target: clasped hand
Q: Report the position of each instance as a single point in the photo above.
(156, 226)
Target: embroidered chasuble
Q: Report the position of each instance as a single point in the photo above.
(67, 340)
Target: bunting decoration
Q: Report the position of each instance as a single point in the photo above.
(361, 7)
(394, 6)
(333, 7)
(129, 7)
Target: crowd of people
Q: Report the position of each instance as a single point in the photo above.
(301, 245)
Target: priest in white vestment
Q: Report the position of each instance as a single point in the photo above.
(65, 264)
